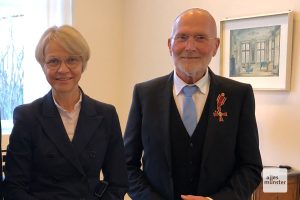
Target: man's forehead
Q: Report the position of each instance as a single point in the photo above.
(192, 26)
(193, 23)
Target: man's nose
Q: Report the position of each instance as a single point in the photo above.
(191, 44)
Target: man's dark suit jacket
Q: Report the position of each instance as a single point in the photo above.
(42, 163)
(231, 163)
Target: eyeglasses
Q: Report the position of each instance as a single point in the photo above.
(182, 38)
(70, 61)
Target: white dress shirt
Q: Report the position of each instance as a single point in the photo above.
(70, 118)
(199, 97)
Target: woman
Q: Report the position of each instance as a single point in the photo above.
(61, 142)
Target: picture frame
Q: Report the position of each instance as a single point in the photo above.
(257, 50)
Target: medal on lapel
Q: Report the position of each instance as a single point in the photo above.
(220, 102)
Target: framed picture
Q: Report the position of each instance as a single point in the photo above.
(257, 50)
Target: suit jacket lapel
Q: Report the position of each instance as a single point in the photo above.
(164, 112)
(54, 129)
(212, 123)
(87, 123)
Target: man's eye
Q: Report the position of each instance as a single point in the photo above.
(182, 37)
(200, 38)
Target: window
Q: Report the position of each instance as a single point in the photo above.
(21, 24)
(245, 53)
(260, 52)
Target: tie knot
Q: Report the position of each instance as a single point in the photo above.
(189, 90)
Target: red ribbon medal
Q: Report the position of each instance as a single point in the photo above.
(220, 102)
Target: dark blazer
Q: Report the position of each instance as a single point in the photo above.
(43, 164)
(231, 163)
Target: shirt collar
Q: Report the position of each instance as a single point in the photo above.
(203, 83)
(76, 106)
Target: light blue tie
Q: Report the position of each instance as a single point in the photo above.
(189, 116)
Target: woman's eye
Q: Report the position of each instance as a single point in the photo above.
(53, 61)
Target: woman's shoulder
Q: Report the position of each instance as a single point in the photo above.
(99, 106)
(29, 107)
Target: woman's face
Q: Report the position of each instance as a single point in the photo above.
(62, 70)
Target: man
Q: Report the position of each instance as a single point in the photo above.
(217, 158)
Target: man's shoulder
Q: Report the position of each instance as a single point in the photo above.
(158, 81)
(227, 82)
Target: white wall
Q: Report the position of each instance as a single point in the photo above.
(101, 23)
(129, 45)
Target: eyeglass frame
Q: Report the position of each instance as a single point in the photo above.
(64, 60)
(183, 38)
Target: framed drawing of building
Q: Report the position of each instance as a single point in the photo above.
(257, 50)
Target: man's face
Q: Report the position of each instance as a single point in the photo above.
(192, 45)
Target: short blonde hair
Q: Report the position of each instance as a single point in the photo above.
(69, 38)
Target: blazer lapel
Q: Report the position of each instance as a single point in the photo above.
(212, 123)
(54, 129)
(87, 123)
(164, 112)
